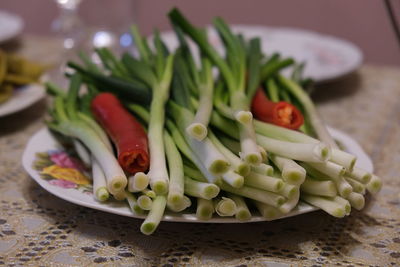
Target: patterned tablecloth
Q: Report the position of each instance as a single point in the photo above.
(38, 229)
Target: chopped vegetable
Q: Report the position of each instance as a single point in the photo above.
(127, 134)
(281, 113)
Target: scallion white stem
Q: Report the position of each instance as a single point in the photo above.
(250, 152)
(178, 207)
(149, 193)
(264, 182)
(292, 172)
(198, 128)
(360, 175)
(345, 159)
(342, 158)
(82, 152)
(115, 176)
(138, 182)
(200, 189)
(292, 200)
(175, 165)
(99, 182)
(333, 208)
(374, 185)
(356, 200)
(205, 209)
(224, 206)
(345, 203)
(263, 169)
(267, 211)
(297, 151)
(237, 164)
(232, 178)
(319, 188)
(357, 186)
(335, 172)
(158, 173)
(256, 194)
(155, 215)
(132, 201)
(242, 211)
(144, 202)
(120, 195)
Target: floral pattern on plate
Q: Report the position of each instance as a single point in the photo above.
(64, 169)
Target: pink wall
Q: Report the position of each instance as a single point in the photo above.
(363, 22)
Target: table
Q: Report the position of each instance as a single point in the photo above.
(38, 229)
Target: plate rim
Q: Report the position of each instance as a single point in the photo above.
(301, 208)
(41, 93)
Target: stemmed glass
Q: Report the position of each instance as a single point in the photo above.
(69, 25)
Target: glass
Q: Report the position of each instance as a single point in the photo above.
(68, 24)
(108, 23)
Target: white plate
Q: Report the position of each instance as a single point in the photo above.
(326, 57)
(43, 141)
(22, 98)
(10, 26)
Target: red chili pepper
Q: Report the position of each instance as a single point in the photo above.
(125, 131)
(281, 113)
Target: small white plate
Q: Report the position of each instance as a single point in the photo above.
(326, 57)
(10, 26)
(43, 141)
(22, 98)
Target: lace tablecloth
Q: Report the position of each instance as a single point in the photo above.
(38, 229)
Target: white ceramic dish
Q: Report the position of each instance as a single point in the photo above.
(22, 98)
(10, 26)
(43, 141)
(327, 57)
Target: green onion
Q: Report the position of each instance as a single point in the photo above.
(149, 193)
(155, 215)
(233, 179)
(293, 196)
(360, 175)
(199, 189)
(205, 209)
(132, 201)
(237, 164)
(175, 165)
(99, 182)
(267, 211)
(374, 185)
(310, 109)
(319, 188)
(264, 182)
(263, 169)
(120, 195)
(242, 211)
(144, 202)
(345, 203)
(357, 186)
(292, 173)
(335, 172)
(182, 205)
(224, 206)
(356, 200)
(138, 182)
(297, 151)
(255, 193)
(328, 205)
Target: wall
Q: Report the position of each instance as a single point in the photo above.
(363, 22)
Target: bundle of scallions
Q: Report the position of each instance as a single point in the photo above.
(206, 149)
